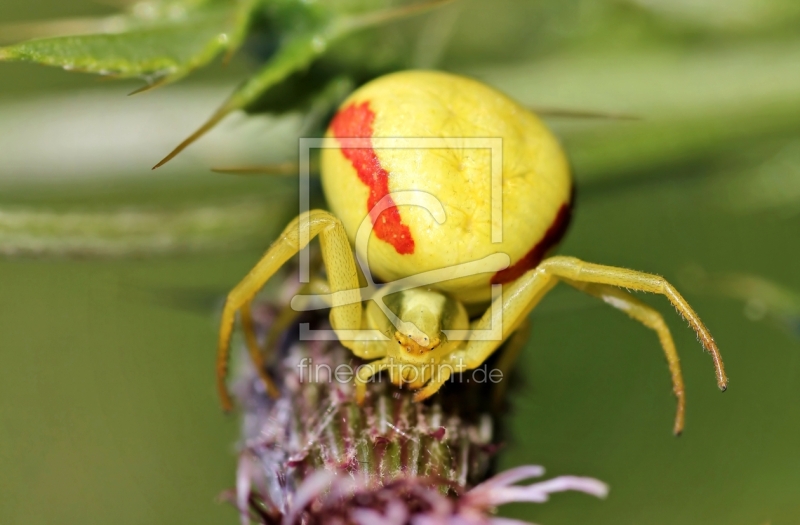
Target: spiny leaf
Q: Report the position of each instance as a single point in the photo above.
(138, 15)
(297, 52)
(162, 51)
(19, 31)
(293, 55)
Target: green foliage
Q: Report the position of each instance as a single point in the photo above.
(306, 34)
(164, 41)
(162, 48)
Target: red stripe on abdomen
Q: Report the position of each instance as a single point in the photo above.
(355, 121)
(532, 259)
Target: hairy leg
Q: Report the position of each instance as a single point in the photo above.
(342, 277)
(254, 351)
(649, 317)
(519, 298)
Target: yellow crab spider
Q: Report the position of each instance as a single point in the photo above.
(453, 194)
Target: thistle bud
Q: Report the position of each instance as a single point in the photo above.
(313, 455)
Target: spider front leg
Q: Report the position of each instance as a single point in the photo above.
(342, 277)
(440, 375)
(524, 294)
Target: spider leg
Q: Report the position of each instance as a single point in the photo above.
(285, 318)
(368, 348)
(649, 317)
(519, 298)
(255, 351)
(342, 278)
(439, 377)
(580, 271)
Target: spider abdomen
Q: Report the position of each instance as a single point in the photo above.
(453, 128)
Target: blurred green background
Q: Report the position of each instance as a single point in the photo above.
(108, 409)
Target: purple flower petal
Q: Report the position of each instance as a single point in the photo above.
(246, 471)
(508, 521)
(540, 492)
(512, 476)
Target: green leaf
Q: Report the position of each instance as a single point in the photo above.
(297, 51)
(295, 54)
(161, 51)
